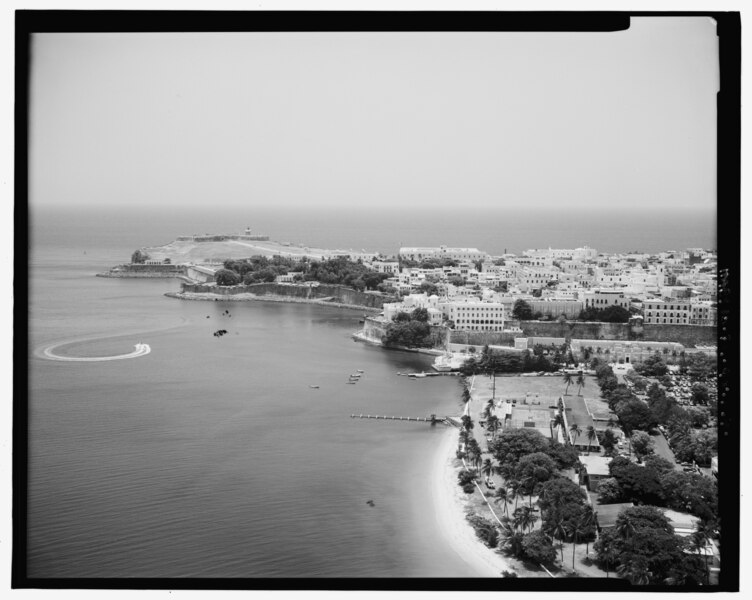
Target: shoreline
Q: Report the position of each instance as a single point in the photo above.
(247, 297)
(450, 515)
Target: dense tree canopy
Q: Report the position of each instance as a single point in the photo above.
(652, 366)
(522, 310)
(644, 549)
(610, 314)
(226, 277)
(139, 257)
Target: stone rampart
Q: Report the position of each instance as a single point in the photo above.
(336, 293)
(687, 335)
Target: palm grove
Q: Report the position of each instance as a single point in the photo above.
(540, 510)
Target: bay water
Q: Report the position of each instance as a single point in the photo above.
(213, 456)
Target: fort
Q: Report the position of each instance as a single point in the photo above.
(223, 237)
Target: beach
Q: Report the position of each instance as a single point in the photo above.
(450, 514)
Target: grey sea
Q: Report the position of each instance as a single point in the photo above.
(213, 456)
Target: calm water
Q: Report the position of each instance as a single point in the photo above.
(212, 456)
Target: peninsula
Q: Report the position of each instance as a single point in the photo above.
(554, 483)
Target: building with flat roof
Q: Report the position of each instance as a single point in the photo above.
(461, 254)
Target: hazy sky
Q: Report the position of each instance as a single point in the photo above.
(624, 119)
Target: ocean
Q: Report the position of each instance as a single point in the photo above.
(213, 456)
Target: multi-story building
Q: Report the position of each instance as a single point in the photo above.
(383, 266)
(460, 254)
(666, 312)
(600, 298)
(703, 313)
(556, 307)
(474, 315)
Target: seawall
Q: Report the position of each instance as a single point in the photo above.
(329, 294)
(138, 271)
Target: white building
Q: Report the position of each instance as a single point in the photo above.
(460, 254)
(666, 312)
(474, 315)
(604, 298)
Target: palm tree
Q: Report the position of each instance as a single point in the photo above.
(700, 539)
(636, 571)
(524, 518)
(591, 435)
(587, 520)
(510, 537)
(490, 405)
(487, 469)
(528, 483)
(575, 529)
(557, 421)
(501, 494)
(581, 382)
(568, 380)
(560, 531)
(514, 491)
(466, 397)
(492, 424)
(575, 430)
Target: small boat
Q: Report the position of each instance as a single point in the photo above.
(359, 370)
(352, 382)
(315, 387)
(355, 375)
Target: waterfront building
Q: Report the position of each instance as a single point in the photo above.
(473, 314)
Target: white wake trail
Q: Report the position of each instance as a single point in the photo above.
(141, 350)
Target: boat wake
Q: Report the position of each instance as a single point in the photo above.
(141, 350)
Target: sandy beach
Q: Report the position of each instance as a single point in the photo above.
(450, 514)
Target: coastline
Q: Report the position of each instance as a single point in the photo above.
(264, 298)
(450, 514)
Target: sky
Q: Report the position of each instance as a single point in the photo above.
(435, 120)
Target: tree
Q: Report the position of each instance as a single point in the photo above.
(538, 547)
(225, 277)
(609, 491)
(524, 517)
(420, 314)
(488, 468)
(534, 469)
(493, 424)
(139, 257)
(511, 538)
(637, 483)
(634, 415)
(658, 464)
(568, 379)
(575, 430)
(522, 311)
(581, 383)
(501, 495)
(700, 393)
(513, 444)
(609, 441)
(642, 445)
(591, 435)
(652, 366)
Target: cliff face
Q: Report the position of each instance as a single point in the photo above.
(335, 293)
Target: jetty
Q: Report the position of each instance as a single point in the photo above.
(429, 419)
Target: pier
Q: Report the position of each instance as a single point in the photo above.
(429, 419)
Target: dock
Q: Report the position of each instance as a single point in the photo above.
(429, 419)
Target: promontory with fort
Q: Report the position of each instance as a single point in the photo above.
(587, 412)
